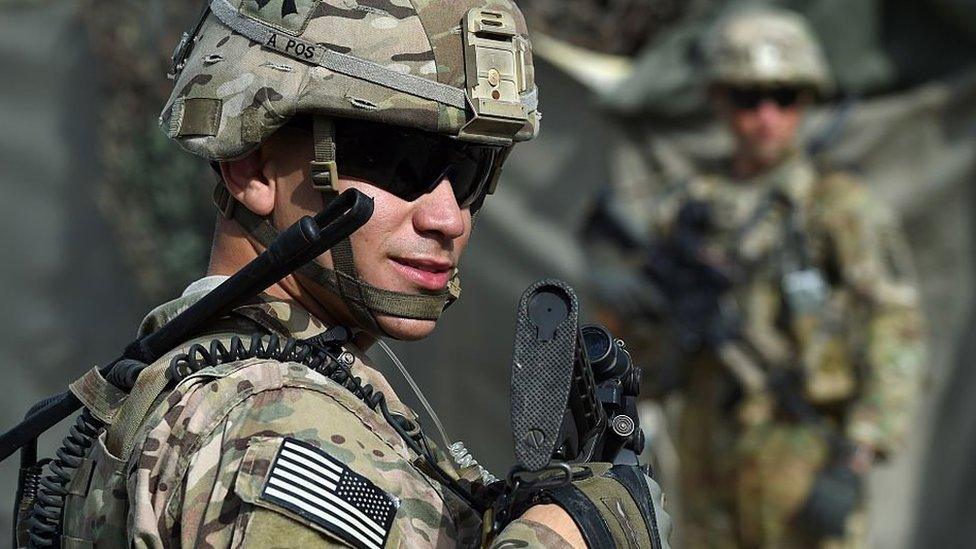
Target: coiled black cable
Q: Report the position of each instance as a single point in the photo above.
(323, 354)
(261, 345)
(32, 480)
(28, 485)
(44, 524)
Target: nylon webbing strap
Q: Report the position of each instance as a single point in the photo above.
(349, 65)
(348, 283)
(347, 287)
(256, 226)
(379, 300)
(101, 398)
(121, 435)
(323, 130)
(324, 171)
(585, 514)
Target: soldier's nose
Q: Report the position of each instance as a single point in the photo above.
(438, 212)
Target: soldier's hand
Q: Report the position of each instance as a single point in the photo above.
(835, 494)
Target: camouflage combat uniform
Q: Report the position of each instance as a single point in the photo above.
(746, 468)
(260, 452)
(199, 463)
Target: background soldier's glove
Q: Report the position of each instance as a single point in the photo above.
(833, 497)
(618, 506)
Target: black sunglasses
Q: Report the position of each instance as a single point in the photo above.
(411, 163)
(751, 98)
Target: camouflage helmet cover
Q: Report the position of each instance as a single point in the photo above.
(456, 67)
(765, 46)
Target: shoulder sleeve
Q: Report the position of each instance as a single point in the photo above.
(867, 243)
(283, 457)
(874, 263)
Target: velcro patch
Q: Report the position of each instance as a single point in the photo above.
(290, 16)
(309, 482)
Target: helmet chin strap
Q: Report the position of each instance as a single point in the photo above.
(364, 301)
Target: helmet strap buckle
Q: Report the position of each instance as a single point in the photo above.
(323, 169)
(324, 175)
(183, 49)
(180, 54)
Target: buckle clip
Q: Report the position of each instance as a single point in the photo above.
(180, 54)
(182, 51)
(494, 66)
(324, 175)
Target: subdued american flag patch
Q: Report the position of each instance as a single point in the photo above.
(308, 481)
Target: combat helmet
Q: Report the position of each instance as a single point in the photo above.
(765, 46)
(459, 68)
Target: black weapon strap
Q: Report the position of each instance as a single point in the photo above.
(585, 514)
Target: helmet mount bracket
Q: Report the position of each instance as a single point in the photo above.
(494, 66)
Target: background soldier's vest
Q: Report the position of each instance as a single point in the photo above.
(793, 310)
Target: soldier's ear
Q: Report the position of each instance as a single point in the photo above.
(247, 182)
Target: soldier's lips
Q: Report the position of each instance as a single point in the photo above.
(429, 274)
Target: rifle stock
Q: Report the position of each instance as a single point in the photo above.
(574, 390)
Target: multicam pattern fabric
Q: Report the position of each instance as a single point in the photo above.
(765, 46)
(203, 454)
(233, 93)
(745, 474)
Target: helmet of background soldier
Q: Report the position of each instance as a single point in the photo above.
(460, 68)
(766, 47)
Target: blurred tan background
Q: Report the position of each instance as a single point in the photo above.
(103, 217)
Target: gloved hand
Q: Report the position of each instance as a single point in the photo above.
(833, 497)
(616, 506)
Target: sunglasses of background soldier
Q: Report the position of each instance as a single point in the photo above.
(750, 98)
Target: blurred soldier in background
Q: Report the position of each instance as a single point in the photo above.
(778, 297)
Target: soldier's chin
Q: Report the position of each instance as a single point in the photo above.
(405, 329)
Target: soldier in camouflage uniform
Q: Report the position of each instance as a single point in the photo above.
(415, 103)
(797, 331)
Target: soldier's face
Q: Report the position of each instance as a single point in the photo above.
(406, 246)
(763, 122)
